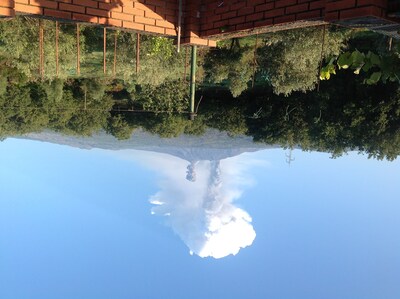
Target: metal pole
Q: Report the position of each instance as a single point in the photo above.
(193, 81)
(78, 49)
(179, 25)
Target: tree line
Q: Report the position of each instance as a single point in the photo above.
(267, 87)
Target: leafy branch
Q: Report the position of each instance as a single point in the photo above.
(377, 68)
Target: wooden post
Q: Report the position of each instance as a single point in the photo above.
(137, 52)
(104, 50)
(57, 64)
(115, 54)
(78, 49)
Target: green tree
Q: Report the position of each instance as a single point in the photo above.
(119, 128)
(291, 58)
(232, 66)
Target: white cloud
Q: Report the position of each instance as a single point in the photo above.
(202, 212)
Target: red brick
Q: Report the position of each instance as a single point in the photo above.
(71, 7)
(143, 20)
(98, 12)
(264, 23)
(171, 19)
(212, 32)
(110, 7)
(88, 3)
(255, 17)
(156, 2)
(142, 6)
(360, 12)
(173, 5)
(331, 16)
(317, 4)
(212, 43)
(133, 11)
(211, 6)
(207, 26)
(198, 41)
(124, 2)
(152, 15)
(379, 3)
(297, 8)
(245, 26)
(274, 13)
(170, 32)
(5, 11)
(165, 24)
(121, 16)
(132, 25)
(238, 5)
(237, 20)
(28, 9)
(264, 7)
(245, 11)
(7, 3)
(339, 5)
(222, 9)
(154, 29)
(283, 3)
(284, 19)
(165, 11)
(44, 3)
(192, 34)
(85, 18)
(312, 14)
(222, 23)
(110, 22)
(228, 15)
(57, 14)
(255, 2)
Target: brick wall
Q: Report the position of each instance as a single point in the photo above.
(221, 16)
(202, 19)
(6, 8)
(148, 16)
(351, 9)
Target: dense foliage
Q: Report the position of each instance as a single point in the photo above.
(345, 114)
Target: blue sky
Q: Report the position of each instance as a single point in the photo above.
(77, 224)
